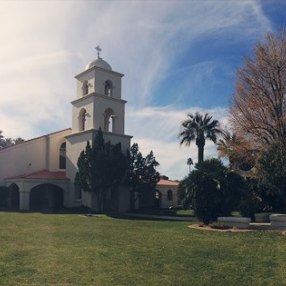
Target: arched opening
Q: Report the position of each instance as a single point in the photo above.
(62, 156)
(109, 120)
(158, 199)
(4, 197)
(14, 198)
(170, 195)
(108, 88)
(46, 197)
(85, 88)
(10, 197)
(82, 119)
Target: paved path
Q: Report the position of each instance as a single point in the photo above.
(253, 225)
(265, 226)
(161, 217)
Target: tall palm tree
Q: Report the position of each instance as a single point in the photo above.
(190, 163)
(199, 128)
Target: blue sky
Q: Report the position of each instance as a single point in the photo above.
(178, 57)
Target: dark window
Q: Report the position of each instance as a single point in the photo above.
(82, 119)
(170, 195)
(63, 156)
(108, 88)
(85, 88)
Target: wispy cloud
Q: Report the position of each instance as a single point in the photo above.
(45, 43)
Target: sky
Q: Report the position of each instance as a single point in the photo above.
(178, 57)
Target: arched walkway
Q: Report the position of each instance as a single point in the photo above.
(14, 198)
(4, 197)
(46, 197)
(9, 197)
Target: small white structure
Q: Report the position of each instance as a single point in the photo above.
(40, 173)
(278, 220)
(239, 222)
(166, 195)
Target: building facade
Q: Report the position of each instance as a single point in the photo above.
(40, 173)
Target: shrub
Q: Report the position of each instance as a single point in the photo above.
(249, 205)
(215, 191)
(272, 175)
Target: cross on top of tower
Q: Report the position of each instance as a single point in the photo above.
(98, 51)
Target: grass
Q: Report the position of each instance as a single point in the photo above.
(69, 249)
(188, 212)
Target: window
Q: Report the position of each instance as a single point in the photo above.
(170, 195)
(109, 120)
(108, 88)
(85, 88)
(62, 157)
(82, 119)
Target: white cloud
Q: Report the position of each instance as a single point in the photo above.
(45, 43)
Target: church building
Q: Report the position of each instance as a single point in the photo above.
(40, 172)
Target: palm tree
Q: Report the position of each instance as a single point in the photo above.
(227, 146)
(199, 128)
(190, 163)
(237, 151)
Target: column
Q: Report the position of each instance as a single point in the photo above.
(24, 200)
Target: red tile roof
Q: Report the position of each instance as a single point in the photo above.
(167, 183)
(43, 174)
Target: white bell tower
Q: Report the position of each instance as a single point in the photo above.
(98, 104)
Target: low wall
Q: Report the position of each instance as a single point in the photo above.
(239, 222)
(262, 217)
(278, 220)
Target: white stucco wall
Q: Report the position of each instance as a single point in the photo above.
(87, 103)
(24, 158)
(101, 104)
(165, 203)
(55, 141)
(96, 79)
(32, 156)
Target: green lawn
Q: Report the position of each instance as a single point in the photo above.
(45, 249)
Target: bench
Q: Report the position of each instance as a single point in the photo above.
(278, 220)
(239, 222)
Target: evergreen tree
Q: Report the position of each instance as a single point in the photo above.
(142, 172)
(101, 168)
(6, 142)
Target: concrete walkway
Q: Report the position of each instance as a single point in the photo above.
(253, 225)
(159, 217)
(265, 226)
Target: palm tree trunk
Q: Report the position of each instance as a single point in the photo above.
(200, 142)
(200, 153)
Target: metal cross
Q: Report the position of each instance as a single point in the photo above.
(98, 51)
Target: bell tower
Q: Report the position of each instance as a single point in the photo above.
(98, 104)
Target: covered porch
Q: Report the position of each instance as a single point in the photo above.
(40, 191)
